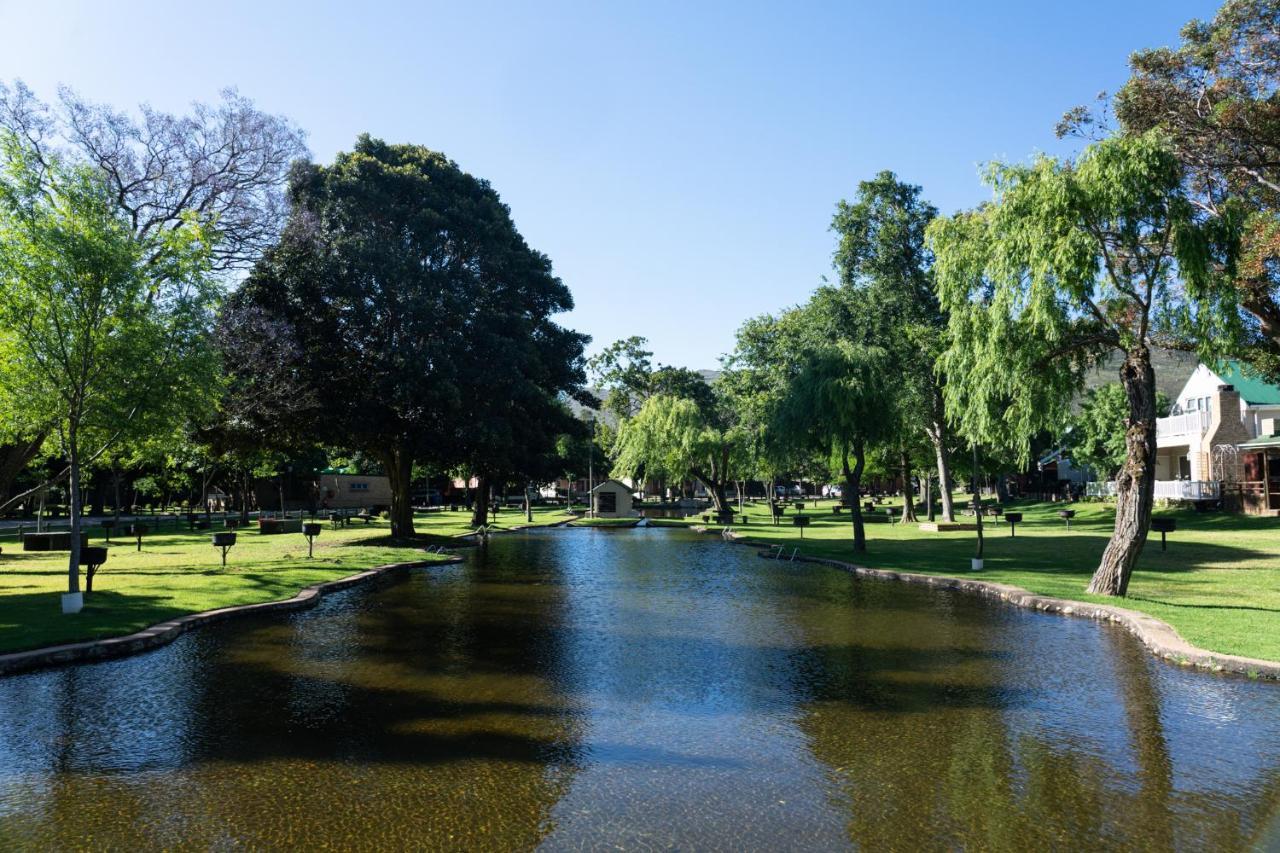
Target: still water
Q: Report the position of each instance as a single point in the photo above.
(641, 689)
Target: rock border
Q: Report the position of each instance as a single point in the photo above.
(1158, 636)
(163, 633)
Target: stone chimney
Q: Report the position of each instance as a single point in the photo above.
(1225, 428)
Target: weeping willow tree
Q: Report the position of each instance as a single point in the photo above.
(838, 404)
(1071, 262)
(676, 438)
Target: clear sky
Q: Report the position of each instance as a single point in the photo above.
(679, 162)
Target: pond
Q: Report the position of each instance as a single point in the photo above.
(641, 688)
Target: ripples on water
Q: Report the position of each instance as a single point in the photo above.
(641, 688)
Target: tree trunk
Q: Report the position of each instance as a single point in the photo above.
(928, 496)
(14, 458)
(937, 431)
(853, 488)
(1135, 484)
(99, 487)
(480, 511)
(398, 464)
(908, 491)
(977, 501)
(73, 569)
(245, 485)
(944, 475)
(528, 507)
(115, 498)
(718, 492)
(1002, 489)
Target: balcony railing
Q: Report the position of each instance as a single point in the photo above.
(1166, 490)
(1190, 424)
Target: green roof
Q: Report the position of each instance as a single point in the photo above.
(1252, 390)
(1260, 441)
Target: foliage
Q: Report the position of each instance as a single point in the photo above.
(102, 332)
(676, 438)
(623, 372)
(883, 254)
(1072, 261)
(1213, 98)
(222, 165)
(1096, 433)
(402, 280)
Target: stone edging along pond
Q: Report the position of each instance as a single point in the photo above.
(165, 632)
(1159, 637)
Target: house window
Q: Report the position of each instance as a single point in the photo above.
(606, 502)
(359, 487)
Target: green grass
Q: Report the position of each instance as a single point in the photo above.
(605, 522)
(1218, 584)
(180, 572)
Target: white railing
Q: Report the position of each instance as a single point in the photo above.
(1186, 490)
(1192, 423)
(1100, 490)
(1166, 490)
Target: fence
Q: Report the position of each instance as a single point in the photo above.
(1165, 490)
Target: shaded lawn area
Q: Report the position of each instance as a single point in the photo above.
(1218, 583)
(605, 522)
(180, 572)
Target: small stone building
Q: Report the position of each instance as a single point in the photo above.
(612, 499)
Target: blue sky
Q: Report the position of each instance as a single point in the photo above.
(679, 162)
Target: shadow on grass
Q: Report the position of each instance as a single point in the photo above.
(1065, 554)
(31, 620)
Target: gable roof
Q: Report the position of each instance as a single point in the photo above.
(1254, 391)
(617, 483)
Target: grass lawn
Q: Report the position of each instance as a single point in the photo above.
(605, 522)
(1218, 584)
(180, 572)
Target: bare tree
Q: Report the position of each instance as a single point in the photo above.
(226, 164)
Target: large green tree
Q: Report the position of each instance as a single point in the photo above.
(422, 320)
(1070, 262)
(835, 406)
(882, 252)
(101, 329)
(1214, 98)
(679, 438)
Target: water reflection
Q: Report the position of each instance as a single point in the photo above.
(641, 688)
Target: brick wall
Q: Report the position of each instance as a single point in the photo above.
(1225, 427)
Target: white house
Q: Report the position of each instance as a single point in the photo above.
(1217, 432)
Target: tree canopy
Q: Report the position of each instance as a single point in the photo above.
(1070, 262)
(421, 318)
(103, 333)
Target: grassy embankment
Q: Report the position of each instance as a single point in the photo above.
(604, 522)
(1218, 584)
(180, 572)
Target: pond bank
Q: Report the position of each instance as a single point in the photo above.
(165, 632)
(1159, 637)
